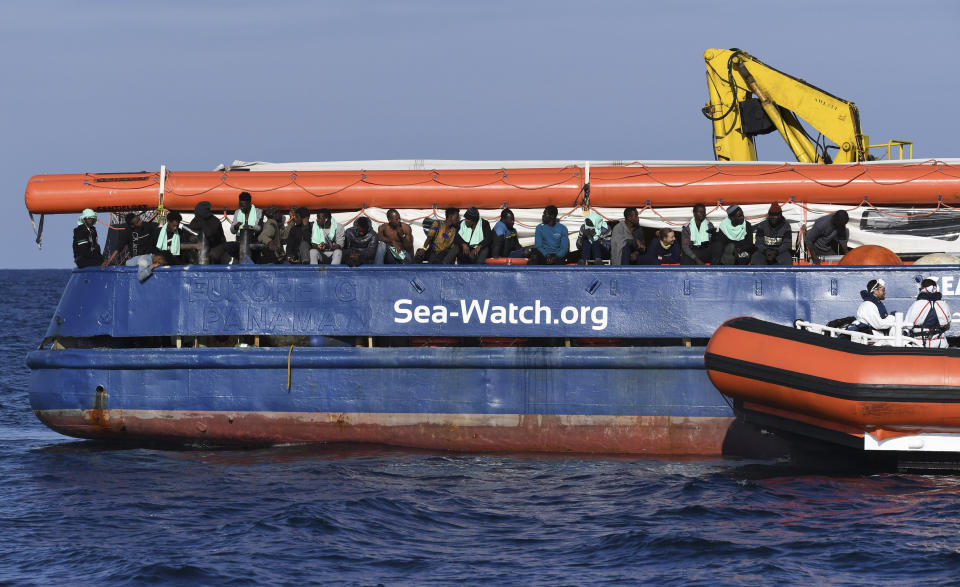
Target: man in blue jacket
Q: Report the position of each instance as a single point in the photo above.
(551, 241)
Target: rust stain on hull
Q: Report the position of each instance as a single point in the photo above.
(650, 435)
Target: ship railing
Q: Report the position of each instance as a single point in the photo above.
(897, 338)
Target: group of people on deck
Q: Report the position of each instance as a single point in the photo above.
(927, 319)
(269, 236)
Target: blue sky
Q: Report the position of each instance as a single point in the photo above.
(126, 86)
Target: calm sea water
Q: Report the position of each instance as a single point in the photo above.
(84, 513)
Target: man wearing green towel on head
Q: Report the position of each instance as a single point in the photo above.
(86, 249)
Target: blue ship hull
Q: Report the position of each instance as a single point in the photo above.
(249, 355)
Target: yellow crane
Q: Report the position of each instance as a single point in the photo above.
(750, 98)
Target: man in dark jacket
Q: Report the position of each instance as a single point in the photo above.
(211, 234)
(359, 243)
(733, 242)
(297, 234)
(137, 239)
(86, 249)
(505, 241)
(664, 249)
(773, 239)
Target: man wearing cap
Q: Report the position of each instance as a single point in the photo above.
(473, 238)
(551, 241)
(872, 315)
(828, 236)
(211, 234)
(773, 239)
(86, 249)
(733, 244)
(928, 318)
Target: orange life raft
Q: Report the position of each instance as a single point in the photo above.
(845, 390)
(611, 186)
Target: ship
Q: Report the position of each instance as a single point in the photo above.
(491, 358)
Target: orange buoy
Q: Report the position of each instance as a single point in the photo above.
(871, 255)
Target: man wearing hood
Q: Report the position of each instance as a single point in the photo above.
(360, 243)
(928, 318)
(733, 244)
(473, 238)
(872, 315)
(828, 236)
(86, 249)
(773, 240)
(211, 234)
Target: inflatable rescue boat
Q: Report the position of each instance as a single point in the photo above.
(835, 390)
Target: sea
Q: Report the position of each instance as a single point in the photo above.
(85, 513)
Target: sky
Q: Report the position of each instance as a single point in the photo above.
(127, 86)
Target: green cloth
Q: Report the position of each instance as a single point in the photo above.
(87, 213)
(598, 224)
(698, 236)
(173, 241)
(241, 218)
(471, 236)
(734, 233)
(318, 232)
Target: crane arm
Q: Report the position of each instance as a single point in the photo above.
(781, 101)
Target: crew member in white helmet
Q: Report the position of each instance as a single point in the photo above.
(872, 315)
(929, 317)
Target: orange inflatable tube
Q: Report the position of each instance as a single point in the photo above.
(924, 184)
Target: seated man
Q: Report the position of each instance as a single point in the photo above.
(551, 241)
(627, 244)
(396, 241)
(213, 243)
(592, 234)
(828, 236)
(359, 243)
(663, 250)
(928, 318)
(733, 243)
(773, 240)
(505, 240)
(695, 238)
(86, 249)
(169, 239)
(136, 240)
(473, 238)
(247, 224)
(326, 240)
(297, 234)
(269, 237)
(440, 247)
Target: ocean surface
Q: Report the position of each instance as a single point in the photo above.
(76, 513)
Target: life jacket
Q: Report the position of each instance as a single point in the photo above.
(866, 328)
